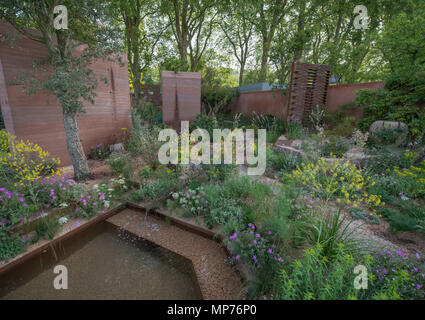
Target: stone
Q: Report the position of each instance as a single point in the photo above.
(289, 150)
(283, 141)
(116, 147)
(296, 143)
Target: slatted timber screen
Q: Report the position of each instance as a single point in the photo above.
(308, 88)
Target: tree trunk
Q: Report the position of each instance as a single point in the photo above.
(241, 72)
(75, 149)
(264, 61)
(137, 88)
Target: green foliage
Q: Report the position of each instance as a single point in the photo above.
(145, 143)
(336, 146)
(344, 127)
(316, 277)
(398, 222)
(386, 136)
(205, 122)
(398, 276)
(280, 162)
(358, 213)
(259, 250)
(10, 246)
(158, 189)
(294, 130)
(401, 101)
(46, 227)
(215, 99)
(147, 113)
(329, 229)
(100, 152)
(4, 143)
(121, 164)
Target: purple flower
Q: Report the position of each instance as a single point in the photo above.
(419, 286)
(270, 251)
(237, 257)
(254, 258)
(232, 237)
(418, 256)
(384, 271)
(258, 235)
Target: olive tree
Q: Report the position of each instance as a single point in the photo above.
(62, 27)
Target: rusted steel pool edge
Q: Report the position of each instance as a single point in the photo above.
(180, 223)
(6, 267)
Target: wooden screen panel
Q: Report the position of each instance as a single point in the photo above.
(308, 88)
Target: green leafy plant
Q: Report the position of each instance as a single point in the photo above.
(335, 146)
(10, 245)
(316, 277)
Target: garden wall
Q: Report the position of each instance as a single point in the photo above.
(181, 97)
(38, 117)
(276, 102)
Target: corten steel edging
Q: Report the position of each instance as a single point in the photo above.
(208, 234)
(203, 232)
(5, 268)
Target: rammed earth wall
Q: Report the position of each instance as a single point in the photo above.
(38, 117)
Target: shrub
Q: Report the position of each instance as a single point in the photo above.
(46, 227)
(26, 162)
(121, 165)
(205, 122)
(401, 101)
(4, 144)
(10, 246)
(145, 143)
(100, 152)
(295, 130)
(259, 250)
(158, 189)
(14, 208)
(399, 222)
(328, 229)
(399, 276)
(342, 181)
(344, 128)
(277, 161)
(314, 276)
(385, 161)
(386, 136)
(335, 146)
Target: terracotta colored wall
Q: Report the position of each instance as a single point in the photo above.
(339, 94)
(263, 102)
(186, 86)
(274, 102)
(38, 117)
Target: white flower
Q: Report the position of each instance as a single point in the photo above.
(63, 205)
(110, 189)
(95, 187)
(106, 204)
(121, 181)
(44, 214)
(63, 220)
(175, 195)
